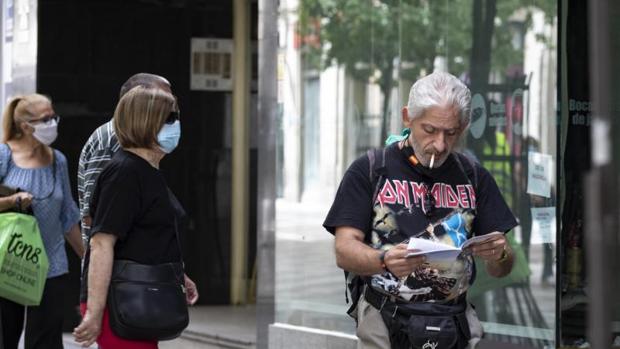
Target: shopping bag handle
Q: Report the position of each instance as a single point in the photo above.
(18, 205)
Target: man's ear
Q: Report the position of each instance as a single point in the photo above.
(405, 117)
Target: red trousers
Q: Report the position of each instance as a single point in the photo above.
(108, 340)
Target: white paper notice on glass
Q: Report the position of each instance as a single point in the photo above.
(543, 225)
(539, 174)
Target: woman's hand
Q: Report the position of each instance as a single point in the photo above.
(88, 330)
(191, 292)
(23, 200)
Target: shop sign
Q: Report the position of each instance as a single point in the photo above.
(211, 64)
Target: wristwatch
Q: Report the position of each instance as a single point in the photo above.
(382, 260)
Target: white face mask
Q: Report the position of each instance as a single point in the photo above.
(47, 132)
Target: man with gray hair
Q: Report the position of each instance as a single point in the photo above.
(419, 187)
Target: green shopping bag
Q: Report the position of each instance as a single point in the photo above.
(23, 261)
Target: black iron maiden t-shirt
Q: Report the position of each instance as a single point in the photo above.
(461, 210)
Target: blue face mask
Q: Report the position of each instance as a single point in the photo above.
(168, 137)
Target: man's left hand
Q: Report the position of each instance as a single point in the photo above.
(191, 292)
(491, 250)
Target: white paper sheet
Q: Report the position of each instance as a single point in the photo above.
(539, 174)
(543, 225)
(437, 250)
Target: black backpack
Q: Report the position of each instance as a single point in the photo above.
(376, 171)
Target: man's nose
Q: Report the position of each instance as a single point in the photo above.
(440, 142)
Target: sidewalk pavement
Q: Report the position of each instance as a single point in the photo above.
(210, 327)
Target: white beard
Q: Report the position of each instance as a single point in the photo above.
(425, 158)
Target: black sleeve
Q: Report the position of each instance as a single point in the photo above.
(117, 202)
(352, 206)
(493, 214)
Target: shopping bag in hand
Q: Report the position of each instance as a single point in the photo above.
(23, 262)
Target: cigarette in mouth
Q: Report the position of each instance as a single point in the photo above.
(432, 161)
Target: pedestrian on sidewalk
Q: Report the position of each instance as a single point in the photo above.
(419, 187)
(103, 144)
(28, 162)
(134, 214)
(98, 151)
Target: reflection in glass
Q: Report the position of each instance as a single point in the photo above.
(345, 74)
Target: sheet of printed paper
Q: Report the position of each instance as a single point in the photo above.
(539, 174)
(427, 246)
(543, 225)
(439, 250)
(481, 238)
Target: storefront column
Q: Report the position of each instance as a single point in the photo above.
(240, 193)
(601, 215)
(267, 111)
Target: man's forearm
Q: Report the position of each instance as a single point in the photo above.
(357, 257)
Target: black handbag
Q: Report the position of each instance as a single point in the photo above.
(147, 302)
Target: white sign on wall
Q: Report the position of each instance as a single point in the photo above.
(543, 225)
(211, 64)
(539, 174)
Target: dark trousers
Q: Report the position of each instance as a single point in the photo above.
(43, 322)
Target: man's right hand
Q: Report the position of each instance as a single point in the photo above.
(352, 254)
(397, 262)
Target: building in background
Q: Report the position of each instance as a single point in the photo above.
(18, 45)
(81, 52)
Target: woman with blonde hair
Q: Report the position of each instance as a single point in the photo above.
(133, 212)
(40, 172)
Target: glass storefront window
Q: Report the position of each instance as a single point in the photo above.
(345, 69)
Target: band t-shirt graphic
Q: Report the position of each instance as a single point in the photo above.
(459, 209)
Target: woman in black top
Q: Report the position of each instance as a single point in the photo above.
(134, 212)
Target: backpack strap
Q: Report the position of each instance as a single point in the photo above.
(376, 170)
(474, 168)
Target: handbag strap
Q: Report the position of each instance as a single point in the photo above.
(176, 233)
(174, 201)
